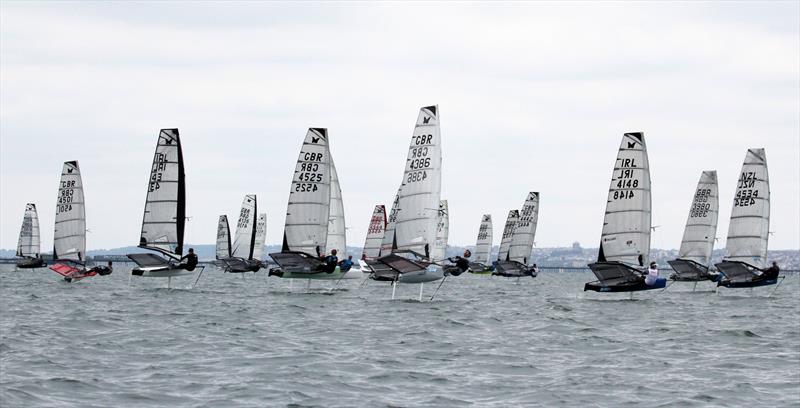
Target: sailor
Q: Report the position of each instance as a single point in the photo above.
(346, 264)
(461, 264)
(771, 272)
(191, 261)
(103, 270)
(331, 261)
(534, 270)
(652, 275)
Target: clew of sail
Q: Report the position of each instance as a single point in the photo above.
(701, 224)
(508, 234)
(626, 226)
(308, 211)
(336, 229)
(223, 247)
(28, 245)
(525, 231)
(377, 226)
(483, 246)
(244, 241)
(748, 231)
(420, 194)
(442, 232)
(69, 241)
(261, 236)
(165, 207)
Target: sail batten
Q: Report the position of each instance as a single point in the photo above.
(748, 231)
(69, 240)
(165, 206)
(626, 226)
(701, 223)
(420, 193)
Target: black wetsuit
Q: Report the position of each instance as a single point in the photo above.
(330, 263)
(191, 262)
(461, 265)
(771, 272)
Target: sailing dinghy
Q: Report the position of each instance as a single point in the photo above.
(164, 216)
(744, 264)
(694, 257)
(372, 244)
(305, 236)
(625, 241)
(69, 240)
(417, 208)
(505, 240)
(242, 257)
(483, 248)
(521, 244)
(28, 245)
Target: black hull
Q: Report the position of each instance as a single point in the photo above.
(597, 286)
(31, 263)
(747, 284)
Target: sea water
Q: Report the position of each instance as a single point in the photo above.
(250, 340)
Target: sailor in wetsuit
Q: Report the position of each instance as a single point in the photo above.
(771, 272)
(191, 261)
(330, 262)
(652, 275)
(461, 264)
(346, 264)
(102, 270)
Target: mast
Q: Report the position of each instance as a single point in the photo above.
(626, 226)
(748, 232)
(483, 246)
(701, 224)
(69, 240)
(308, 211)
(375, 233)
(165, 207)
(525, 231)
(415, 227)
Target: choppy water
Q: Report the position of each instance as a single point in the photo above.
(483, 342)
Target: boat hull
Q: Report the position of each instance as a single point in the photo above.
(748, 284)
(598, 286)
(161, 272)
(30, 263)
(336, 274)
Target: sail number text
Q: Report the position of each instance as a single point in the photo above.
(159, 165)
(745, 193)
(626, 180)
(700, 206)
(65, 196)
(309, 174)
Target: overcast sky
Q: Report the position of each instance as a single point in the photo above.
(533, 97)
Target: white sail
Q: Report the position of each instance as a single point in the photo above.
(525, 231)
(508, 234)
(28, 245)
(308, 212)
(701, 225)
(422, 183)
(483, 247)
(261, 236)
(165, 208)
(748, 232)
(388, 241)
(244, 240)
(336, 230)
(69, 241)
(223, 248)
(377, 226)
(442, 232)
(626, 227)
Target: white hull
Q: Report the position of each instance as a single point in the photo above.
(162, 272)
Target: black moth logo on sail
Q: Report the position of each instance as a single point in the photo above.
(314, 139)
(69, 169)
(631, 145)
(426, 120)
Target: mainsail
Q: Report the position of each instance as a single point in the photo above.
(483, 247)
(244, 241)
(525, 231)
(28, 244)
(308, 211)
(377, 226)
(223, 248)
(442, 232)
(701, 225)
(261, 236)
(388, 242)
(626, 227)
(415, 229)
(748, 231)
(508, 234)
(165, 207)
(69, 242)
(336, 230)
